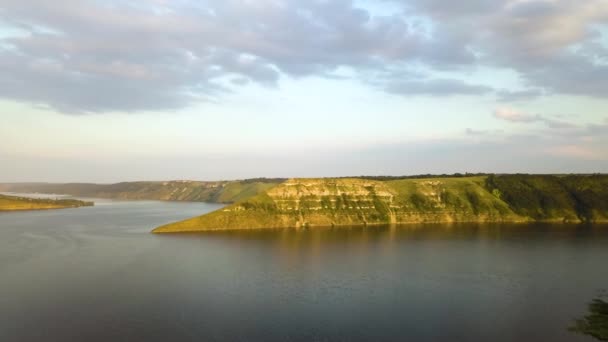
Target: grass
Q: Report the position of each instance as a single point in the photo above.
(239, 191)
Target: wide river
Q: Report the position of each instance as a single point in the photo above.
(97, 274)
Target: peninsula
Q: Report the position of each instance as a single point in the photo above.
(17, 203)
(371, 201)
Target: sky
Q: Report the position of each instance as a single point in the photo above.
(108, 91)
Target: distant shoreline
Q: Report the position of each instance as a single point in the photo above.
(9, 203)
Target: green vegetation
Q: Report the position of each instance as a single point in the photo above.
(596, 322)
(450, 200)
(270, 203)
(219, 192)
(368, 201)
(571, 198)
(14, 203)
(238, 191)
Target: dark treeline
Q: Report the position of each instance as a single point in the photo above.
(460, 175)
(263, 180)
(423, 176)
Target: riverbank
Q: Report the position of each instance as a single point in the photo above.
(19, 203)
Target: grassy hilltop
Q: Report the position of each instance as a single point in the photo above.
(358, 201)
(217, 192)
(14, 203)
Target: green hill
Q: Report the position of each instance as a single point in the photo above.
(554, 198)
(218, 192)
(356, 201)
(14, 203)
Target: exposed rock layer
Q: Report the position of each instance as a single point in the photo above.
(335, 202)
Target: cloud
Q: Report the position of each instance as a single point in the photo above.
(506, 95)
(89, 56)
(515, 116)
(471, 132)
(512, 115)
(475, 132)
(437, 87)
(575, 151)
(536, 148)
(539, 39)
(86, 56)
(500, 153)
(557, 138)
(582, 142)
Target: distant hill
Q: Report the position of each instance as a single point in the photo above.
(216, 192)
(359, 201)
(15, 203)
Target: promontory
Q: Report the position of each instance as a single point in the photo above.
(376, 200)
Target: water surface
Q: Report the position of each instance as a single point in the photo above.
(96, 274)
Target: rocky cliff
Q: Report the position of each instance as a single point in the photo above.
(335, 202)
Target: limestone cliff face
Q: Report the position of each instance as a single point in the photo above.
(333, 202)
(328, 193)
(336, 197)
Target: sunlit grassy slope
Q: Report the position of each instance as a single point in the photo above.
(13, 203)
(334, 202)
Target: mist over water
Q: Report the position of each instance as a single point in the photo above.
(97, 274)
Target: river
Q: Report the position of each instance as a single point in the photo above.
(97, 274)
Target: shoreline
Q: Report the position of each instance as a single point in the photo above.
(10, 203)
(158, 230)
